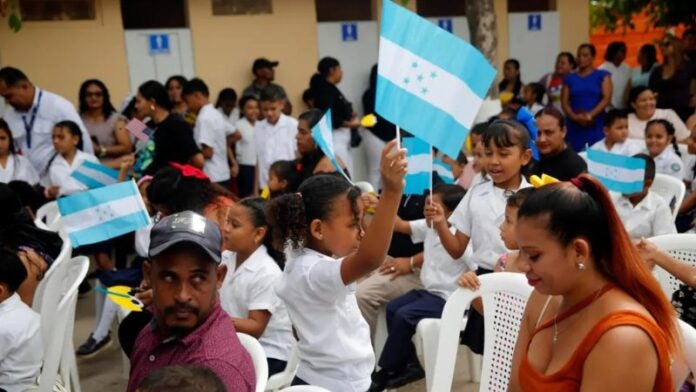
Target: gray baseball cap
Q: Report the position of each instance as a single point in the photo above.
(190, 227)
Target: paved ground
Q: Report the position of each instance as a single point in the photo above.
(104, 371)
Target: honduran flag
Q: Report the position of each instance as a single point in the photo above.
(94, 175)
(616, 172)
(322, 135)
(420, 165)
(104, 213)
(429, 81)
(444, 171)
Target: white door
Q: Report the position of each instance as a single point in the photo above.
(535, 42)
(158, 54)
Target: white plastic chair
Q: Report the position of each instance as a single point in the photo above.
(304, 388)
(59, 353)
(504, 296)
(671, 189)
(48, 216)
(258, 356)
(284, 378)
(46, 288)
(125, 361)
(682, 247)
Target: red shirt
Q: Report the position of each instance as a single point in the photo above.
(214, 344)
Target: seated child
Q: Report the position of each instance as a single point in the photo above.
(21, 347)
(645, 214)
(616, 135)
(283, 177)
(399, 364)
(533, 96)
(661, 145)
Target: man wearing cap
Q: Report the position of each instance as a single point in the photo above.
(264, 74)
(189, 326)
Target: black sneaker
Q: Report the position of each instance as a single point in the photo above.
(91, 346)
(84, 288)
(380, 380)
(412, 372)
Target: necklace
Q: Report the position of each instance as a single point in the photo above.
(579, 307)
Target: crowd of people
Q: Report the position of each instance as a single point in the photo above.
(253, 231)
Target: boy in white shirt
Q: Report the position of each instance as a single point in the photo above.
(21, 347)
(616, 138)
(399, 364)
(274, 136)
(645, 214)
(210, 132)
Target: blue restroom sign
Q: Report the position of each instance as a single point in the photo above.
(534, 22)
(445, 24)
(159, 43)
(349, 32)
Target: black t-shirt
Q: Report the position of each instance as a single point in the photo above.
(384, 130)
(328, 96)
(173, 143)
(563, 166)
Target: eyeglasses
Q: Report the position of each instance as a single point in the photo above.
(96, 94)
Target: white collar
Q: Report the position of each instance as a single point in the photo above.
(11, 303)
(649, 203)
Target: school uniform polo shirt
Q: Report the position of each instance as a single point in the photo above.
(214, 344)
(18, 168)
(628, 148)
(21, 346)
(60, 170)
(649, 218)
(211, 129)
(669, 163)
(274, 142)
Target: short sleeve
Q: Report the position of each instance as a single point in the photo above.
(461, 217)
(662, 220)
(261, 293)
(324, 279)
(206, 135)
(676, 167)
(419, 229)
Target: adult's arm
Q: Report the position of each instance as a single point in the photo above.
(255, 323)
(123, 142)
(565, 103)
(606, 97)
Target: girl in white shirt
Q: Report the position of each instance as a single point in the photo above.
(13, 167)
(322, 226)
(662, 147)
(67, 141)
(253, 268)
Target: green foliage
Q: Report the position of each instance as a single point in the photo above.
(611, 14)
(14, 20)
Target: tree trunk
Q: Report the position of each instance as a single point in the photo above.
(483, 30)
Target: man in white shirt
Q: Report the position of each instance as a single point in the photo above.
(21, 347)
(620, 73)
(31, 115)
(274, 136)
(645, 214)
(210, 132)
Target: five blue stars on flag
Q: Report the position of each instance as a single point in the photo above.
(420, 78)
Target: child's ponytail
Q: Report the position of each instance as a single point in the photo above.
(257, 208)
(286, 214)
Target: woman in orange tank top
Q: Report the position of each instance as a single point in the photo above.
(597, 319)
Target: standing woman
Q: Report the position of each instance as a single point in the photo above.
(328, 96)
(586, 93)
(174, 86)
(565, 64)
(512, 79)
(647, 60)
(379, 135)
(105, 125)
(671, 81)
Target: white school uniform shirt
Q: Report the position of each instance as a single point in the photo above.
(620, 76)
(21, 347)
(232, 118)
(439, 272)
(479, 216)
(18, 168)
(245, 148)
(251, 287)
(648, 218)
(52, 108)
(212, 129)
(60, 169)
(636, 126)
(334, 340)
(669, 163)
(628, 148)
(274, 143)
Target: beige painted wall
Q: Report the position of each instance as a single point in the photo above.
(59, 56)
(225, 46)
(574, 23)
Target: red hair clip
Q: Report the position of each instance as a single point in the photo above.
(189, 171)
(298, 167)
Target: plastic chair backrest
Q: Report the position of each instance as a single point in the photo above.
(284, 378)
(680, 246)
(53, 276)
(671, 189)
(76, 271)
(48, 216)
(258, 356)
(504, 296)
(304, 388)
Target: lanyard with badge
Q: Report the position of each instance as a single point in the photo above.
(28, 126)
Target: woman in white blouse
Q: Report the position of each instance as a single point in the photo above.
(644, 103)
(13, 167)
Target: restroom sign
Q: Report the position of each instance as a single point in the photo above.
(445, 24)
(159, 43)
(349, 32)
(534, 22)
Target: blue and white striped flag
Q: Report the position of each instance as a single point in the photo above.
(95, 175)
(429, 81)
(100, 214)
(444, 171)
(617, 173)
(420, 164)
(322, 133)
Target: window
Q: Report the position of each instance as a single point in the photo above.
(430, 8)
(153, 14)
(33, 10)
(242, 7)
(338, 11)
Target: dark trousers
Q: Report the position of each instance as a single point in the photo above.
(275, 366)
(245, 180)
(403, 315)
(299, 381)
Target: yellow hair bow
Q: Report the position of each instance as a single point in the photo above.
(538, 182)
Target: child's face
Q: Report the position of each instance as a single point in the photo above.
(305, 143)
(503, 164)
(228, 106)
(456, 167)
(242, 236)
(194, 101)
(479, 157)
(507, 228)
(475, 140)
(4, 143)
(657, 139)
(528, 95)
(64, 141)
(272, 110)
(275, 184)
(341, 233)
(251, 110)
(617, 132)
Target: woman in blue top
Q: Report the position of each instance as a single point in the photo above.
(586, 93)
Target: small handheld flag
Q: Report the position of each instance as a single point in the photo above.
(322, 135)
(103, 213)
(444, 171)
(420, 160)
(121, 295)
(95, 175)
(137, 128)
(616, 172)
